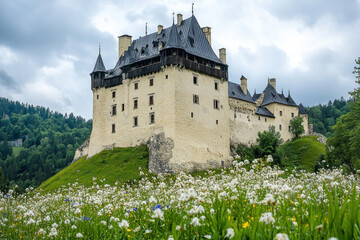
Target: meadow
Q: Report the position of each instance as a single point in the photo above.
(246, 201)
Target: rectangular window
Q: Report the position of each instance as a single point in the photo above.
(113, 128)
(259, 118)
(216, 104)
(216, 86)
(280, 113)
(122, 107)
(151, 82)
(166, 76)
(265, 119)
(192, 114)
(289, 129)
(217, 121)
(97, 96)
(152, 118)
(135, 103)
(280, 127)
(135, 121)
(292, 115)
(151, 100)
(114, 110)
(113, 94)
(196, 99)
(136, 85)
(195, 80)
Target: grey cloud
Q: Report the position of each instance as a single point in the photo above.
(8, 82)
(310, 10)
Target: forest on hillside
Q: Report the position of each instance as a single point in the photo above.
(49, 142)
(324, 116)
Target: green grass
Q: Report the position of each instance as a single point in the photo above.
(304, 152)
(118, 165)
(17, 150)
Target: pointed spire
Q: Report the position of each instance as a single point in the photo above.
(174, 39)
(192, 8)
(99, 65)
(173, 17)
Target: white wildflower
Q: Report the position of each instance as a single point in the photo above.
(53, 232)
(281, 236)
(79, 235)
(124, 224)
(103, 222)
(158, 214)
(54, 225)
(77, 211)
(269, 199)
(41, 231)
(170, 238)
(230, 233)
(267, 218)
(73, 227)
(47, 218)
(67, 221)
(152, 200)
(178, 227)
(148, 231)
(207, 236)
(195, 221)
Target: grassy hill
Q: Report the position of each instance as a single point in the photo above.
(120, 164)
(303, 152)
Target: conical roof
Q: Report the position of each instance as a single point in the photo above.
(174, 39)
(99, 65)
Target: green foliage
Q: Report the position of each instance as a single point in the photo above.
(118, 165)
(4, 183)
(49, 141)
(345, 144)
(296, 126)
(268, 142)
(323, 117)
(305, 153)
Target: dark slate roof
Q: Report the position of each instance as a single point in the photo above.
(263, 111)
(235, 91)
(99, 65)
(256, 96)
(271, 96)
(188, 36)
(302, 109)
(174, 39)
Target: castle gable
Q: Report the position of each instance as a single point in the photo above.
(271, 96)
(235, 91)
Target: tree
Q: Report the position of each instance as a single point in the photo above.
(344, 146)
(296, 126)
(268, 141)
(4, 183)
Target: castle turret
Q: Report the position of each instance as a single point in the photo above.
(98, 74)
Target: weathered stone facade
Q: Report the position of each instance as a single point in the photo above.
(171, 92)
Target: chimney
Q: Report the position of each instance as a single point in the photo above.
(160, 46)
(124, 43)
(160, 28)
(272, 82)
(207, 32)
(179, 19)
(222, 55)
(243, 83)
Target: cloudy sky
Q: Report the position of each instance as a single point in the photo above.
(48, 48)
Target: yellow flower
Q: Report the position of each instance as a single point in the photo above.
(253, 205)
(129, 230)
(245, 225)
(229, 217)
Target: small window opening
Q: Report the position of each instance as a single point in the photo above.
(151, 100)
(135, 121)
(192, 114)
(216, 86)
(122, 107)
(152, 118)
(114, 110)
(196, 99)
(114, 94)
(265, 119)
(216, 104)
(195, 80)
(217, 121)
(280, 113)
(289, 129)
(136, 85)
(222, 163)
(259, 118)
(292, 115)
(280, 127)
(135, 103)
(113, 128)
(151, 82)
(166, 76)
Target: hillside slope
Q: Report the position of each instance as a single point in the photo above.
(118, 165)
(304, 152)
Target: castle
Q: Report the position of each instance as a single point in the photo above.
(169, 90)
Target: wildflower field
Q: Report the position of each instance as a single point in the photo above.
(245, 201)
